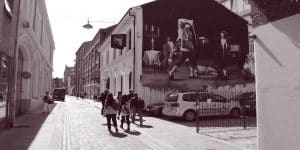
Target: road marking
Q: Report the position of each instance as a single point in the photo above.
(66, 132)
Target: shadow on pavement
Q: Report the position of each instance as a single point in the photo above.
(119, 135)
(145, 126)
(25, 130)
(136, 133)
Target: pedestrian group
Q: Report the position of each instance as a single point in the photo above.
(124, 107)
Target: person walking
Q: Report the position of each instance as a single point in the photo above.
(111, 111)
(137, 104)
(102, 98)
(125, 112)
(119, 97)
(130, 95)
(133, 105)
(140, 107)
(47, 100)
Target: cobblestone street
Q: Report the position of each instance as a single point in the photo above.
(77, 124)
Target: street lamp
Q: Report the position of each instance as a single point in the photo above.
(89, 26)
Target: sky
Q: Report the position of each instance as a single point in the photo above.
(67, 18)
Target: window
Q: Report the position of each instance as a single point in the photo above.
(115, 86)
(189, 97)
(101, 60)
(172, 98)
(130, 80)
(121, 83)
(107, 86)
(129, 40)
(251, 45)
(107, 57)
(249, 96)
(120, 52)
(114, 53)
(218, 98)
(203, 97)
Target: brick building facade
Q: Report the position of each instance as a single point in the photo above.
(69, 79)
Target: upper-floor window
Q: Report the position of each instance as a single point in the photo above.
(107, 57)
(114, 53)
(129, 40)
(121, 52)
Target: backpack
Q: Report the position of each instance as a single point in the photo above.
(115, 105)
(46, 99)
(141, 104)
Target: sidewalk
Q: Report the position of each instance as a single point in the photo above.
(31, 131)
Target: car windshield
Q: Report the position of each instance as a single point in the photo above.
(59, 91)
(172, 98)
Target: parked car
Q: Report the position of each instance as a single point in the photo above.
(155, 109)
(248, 102)
(184, 105)
(59, 94)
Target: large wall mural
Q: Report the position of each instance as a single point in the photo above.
(187, 49)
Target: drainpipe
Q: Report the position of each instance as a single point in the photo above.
(134, 52)
(14, 65)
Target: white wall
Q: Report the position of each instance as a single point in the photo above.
(277, 55)
(122, 65)
(36, 45)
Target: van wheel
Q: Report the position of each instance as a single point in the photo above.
(235, 112)
(189, 115)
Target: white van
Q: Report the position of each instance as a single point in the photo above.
(184, 105)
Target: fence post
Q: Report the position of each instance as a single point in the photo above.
(197, 115)
(197, 111)
(244, 117)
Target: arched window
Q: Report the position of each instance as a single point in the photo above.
(115, 86)
(107, 86)
(121, 83)
(130, 80)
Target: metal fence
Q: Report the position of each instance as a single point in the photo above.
(224, 110)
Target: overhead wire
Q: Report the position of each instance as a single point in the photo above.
(80, 18)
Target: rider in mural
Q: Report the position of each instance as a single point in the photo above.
(186, 44)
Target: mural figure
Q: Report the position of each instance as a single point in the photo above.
(186, 44)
